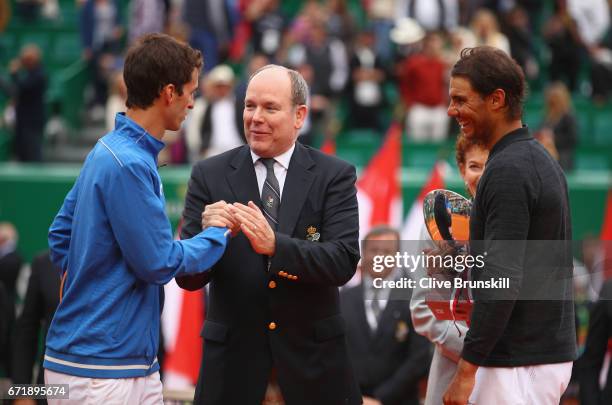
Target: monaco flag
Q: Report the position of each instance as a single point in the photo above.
(411, 230)
(378, 190)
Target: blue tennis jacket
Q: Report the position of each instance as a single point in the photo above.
(114, 245)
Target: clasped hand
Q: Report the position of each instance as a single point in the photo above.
(246, 218)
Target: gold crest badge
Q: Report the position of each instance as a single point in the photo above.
(401, 331)
(312, 234)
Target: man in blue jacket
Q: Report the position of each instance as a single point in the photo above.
(113, 242)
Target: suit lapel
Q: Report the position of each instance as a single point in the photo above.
(388, 324)
(365, 331)
(296, 188)
(242, 179)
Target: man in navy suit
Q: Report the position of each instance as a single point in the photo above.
(274, 331)
(389, 357)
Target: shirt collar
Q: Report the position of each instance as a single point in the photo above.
(370, 290)
(138, 134)
(283, 159)
(520, 134)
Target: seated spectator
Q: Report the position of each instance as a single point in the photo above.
(214, 126)
(389, 357)
(423, 88)
(560, 124)
(220, 126)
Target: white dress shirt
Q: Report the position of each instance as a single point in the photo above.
(382, 296)
(281, 165)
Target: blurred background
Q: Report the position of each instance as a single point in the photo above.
(378, 72)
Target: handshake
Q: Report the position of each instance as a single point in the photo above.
(238, 217)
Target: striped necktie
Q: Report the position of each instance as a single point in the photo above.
(270, 194)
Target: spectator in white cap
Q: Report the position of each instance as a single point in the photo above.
(217, 116)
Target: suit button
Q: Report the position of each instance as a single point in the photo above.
(272, 284)
(271, 326)
(282, 273)
(294, 277)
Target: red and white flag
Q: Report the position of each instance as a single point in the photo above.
(379, 193)
(413, 223)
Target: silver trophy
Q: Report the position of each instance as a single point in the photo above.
(447, 218)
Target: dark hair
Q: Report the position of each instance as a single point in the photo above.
(299, 88)
(155, 61)
(488, 69)
(462, 146)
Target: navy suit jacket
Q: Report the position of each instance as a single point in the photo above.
(282, 313)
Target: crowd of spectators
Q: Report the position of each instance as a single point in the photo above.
(366, 61)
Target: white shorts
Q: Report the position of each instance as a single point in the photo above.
(94, 391)
(530, 385)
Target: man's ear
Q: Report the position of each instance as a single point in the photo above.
(168, 93)
(497, 99)
(301, 111)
